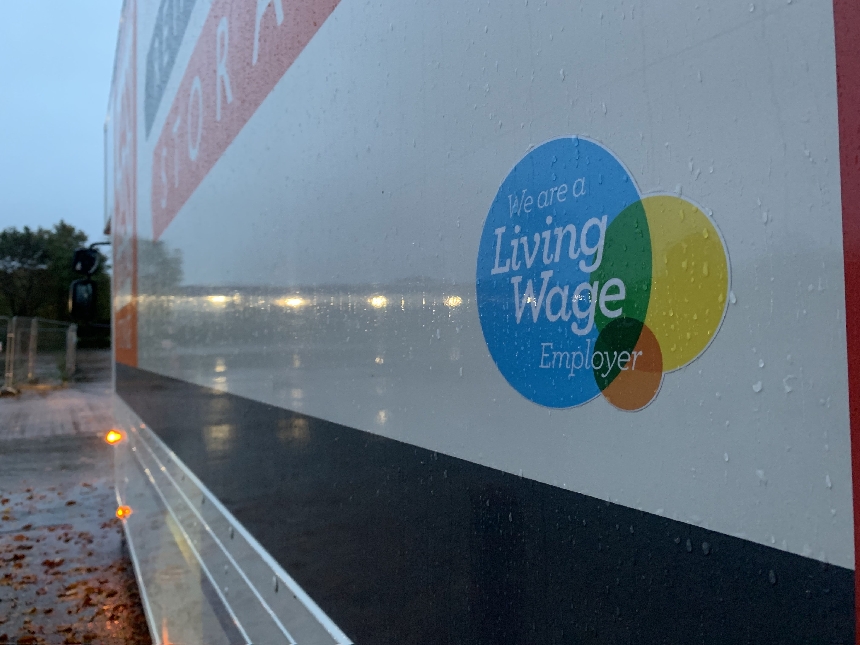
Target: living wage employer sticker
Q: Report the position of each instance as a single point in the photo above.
(586, 287)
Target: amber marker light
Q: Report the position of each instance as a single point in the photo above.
(123, 512)
(113, 437)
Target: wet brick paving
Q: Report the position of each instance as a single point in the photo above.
(65, 572)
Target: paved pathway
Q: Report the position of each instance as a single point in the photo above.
(82, 408)
(65, 576)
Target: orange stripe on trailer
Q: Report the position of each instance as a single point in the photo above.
(123, 121)
(243, 51)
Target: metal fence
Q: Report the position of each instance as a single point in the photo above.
(37, 350)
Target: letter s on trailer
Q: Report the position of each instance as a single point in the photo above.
(328, 220)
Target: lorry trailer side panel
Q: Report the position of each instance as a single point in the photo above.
(487, 322)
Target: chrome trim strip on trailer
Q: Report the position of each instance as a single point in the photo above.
(144, 597)
(193, 507)
(188, 540)
(339, 637)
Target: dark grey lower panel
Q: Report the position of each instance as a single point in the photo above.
(402, 545)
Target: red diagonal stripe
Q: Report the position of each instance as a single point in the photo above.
(242, 52)
(846, 14)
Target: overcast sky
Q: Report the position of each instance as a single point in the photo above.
(56, 60)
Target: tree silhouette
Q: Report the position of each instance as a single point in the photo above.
(36, 271)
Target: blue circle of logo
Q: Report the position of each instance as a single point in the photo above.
(542, 239)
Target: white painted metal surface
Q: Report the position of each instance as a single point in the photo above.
(359, 188)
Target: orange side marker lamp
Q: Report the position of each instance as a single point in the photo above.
(123, 512)
(114, 437)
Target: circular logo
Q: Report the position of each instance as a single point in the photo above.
(586, 287)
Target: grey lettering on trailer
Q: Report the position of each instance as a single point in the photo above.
(170, 25)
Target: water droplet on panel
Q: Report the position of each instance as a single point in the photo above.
(760, 362)
(732, 298)
(757, 387)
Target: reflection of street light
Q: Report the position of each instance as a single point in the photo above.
(453, 301)
(113, 437)
(217, 300)
(123, 512)
(293, 301)
(378, 302)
